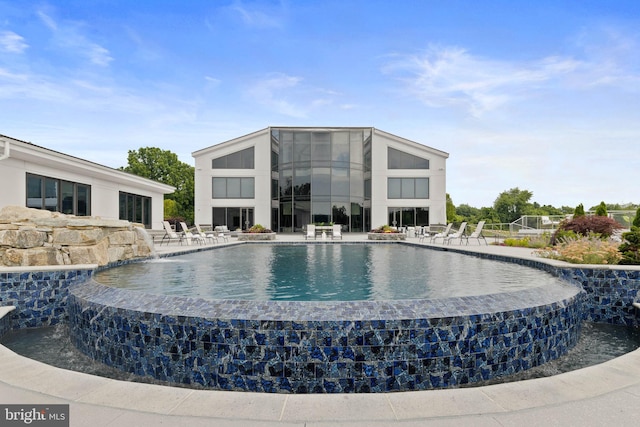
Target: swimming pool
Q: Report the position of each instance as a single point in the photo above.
(338, 272)
(326, 346)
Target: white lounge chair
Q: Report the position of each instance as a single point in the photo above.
(547, 222)
(210, 235)
(336, 232)
(442, 235)
(222, 232)
(477, 234)
(311, 232)
(457, 235)
(191, 236)
(169, 234)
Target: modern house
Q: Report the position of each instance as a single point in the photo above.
(36, 177)
(286, 177)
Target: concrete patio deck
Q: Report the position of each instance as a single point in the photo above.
(606, 394)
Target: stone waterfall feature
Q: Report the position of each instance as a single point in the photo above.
(35, 237)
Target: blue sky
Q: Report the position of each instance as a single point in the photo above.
(539, 95)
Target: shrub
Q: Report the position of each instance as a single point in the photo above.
(630, 248)
(258, 229)
(528, 242)
(601, 210)
(579, 211)
(636, 220)
(601, 226)
(584, 250)
(384, 229)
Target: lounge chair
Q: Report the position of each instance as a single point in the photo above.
(457, 235)
(210, 235)
(222, 232)
(477, 234)
(311, 232)
(442, 235)
(170, 234)
(336, 232)
(191, 236)
(547, 222)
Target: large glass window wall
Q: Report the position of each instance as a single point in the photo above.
(319, 177)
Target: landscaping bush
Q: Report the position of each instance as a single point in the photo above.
(528, 242)
(601, 210)
(589, 249)
(579, 211)
(258, 229)
(384, 229)
(600, 226)
(630, 248)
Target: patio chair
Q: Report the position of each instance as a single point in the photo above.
(336, 232)
(457, 235)
(442, 235)
(211, 235)
(477, 234)
(169, 234)
(547, 222)
(222, 232)
(190, 236)
(311, 232)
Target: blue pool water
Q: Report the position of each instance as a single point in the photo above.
(339, 272)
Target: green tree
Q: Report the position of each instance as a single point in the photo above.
(601, 210)
(579, 211)
(512, 204)
(164, 166)
(451, 209)
(171, 209)
(636, 220)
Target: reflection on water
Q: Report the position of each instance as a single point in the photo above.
(324, 273)
(598, 343)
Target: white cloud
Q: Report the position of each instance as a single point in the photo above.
(69, 36)
(452, 77)
(12, 42)
(254, 17)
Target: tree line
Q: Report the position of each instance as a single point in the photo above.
(515, 203)
(165, 167)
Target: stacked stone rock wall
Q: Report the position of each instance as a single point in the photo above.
(34, 237)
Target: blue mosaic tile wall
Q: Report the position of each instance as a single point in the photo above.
(259, 350)
(610, 290)
(39, 296)
(610, 294)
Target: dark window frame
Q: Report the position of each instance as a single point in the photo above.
(243, 159)
(136, 208)
(397, 182)
(61, 188)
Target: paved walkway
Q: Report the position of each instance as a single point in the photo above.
(604, 395)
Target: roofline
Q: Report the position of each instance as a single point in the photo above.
(319, 128)
(87, 164)
(229, 142)
(423, 146)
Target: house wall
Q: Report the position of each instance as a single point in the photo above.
(106, 183)
(262, 172)
(204, 203)
(379, 174)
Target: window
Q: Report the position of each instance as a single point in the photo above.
(243, 159)
(233, 188)
(135, 208)
(408, 188)
(397, 159)
(57, 195)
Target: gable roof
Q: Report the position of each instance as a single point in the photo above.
(27, 151)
